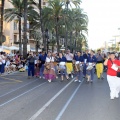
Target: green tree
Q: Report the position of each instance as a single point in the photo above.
(67, 23)
(68, 3)
(80, 25)
(53, 14)
(1, 21)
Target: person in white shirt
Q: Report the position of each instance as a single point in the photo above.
(49, 71)
(7, 66)
(69, 56)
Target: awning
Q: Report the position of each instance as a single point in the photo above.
(5, 47)
(34, 50)
(13, 48)
(1, 49)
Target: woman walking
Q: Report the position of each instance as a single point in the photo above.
(90, 67)
(79, 66)
(37, 70)
(62, 66)
(113, 66)
(49, 71)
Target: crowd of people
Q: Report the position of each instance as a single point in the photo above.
(80, 64)
(11, 63)
(66, 65)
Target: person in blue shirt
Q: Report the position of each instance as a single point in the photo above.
(79, 66)
(42, 59)
(62, 66)
(85, 56)
(90, 66)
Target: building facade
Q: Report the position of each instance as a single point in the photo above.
(11, 29)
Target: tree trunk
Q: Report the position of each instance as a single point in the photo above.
(66, 30)
(36, 46)
(20, 41)
(52, 47)
(66, 38)
(76, 41)
(71, 40)
(57, 37)
(25, 30)
(1, 22)
(41, 25)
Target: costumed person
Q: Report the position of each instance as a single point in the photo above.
(69, 56)
(85, 56)
(113, 78)
(37, 69)
(99, 65)
(90, 67)
(62, 67)
(79, 60)
(49, 71)
(55, 55)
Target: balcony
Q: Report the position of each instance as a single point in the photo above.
(31, 39)
(16, 42)
(16, 31)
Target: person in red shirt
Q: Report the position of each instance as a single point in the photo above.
(113, 80)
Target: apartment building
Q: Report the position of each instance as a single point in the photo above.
(11, 29)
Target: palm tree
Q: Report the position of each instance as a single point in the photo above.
(1, 22)
(53, 15)
(67, 3)
(56, 16)
(80, 25)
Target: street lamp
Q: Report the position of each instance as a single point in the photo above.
(116, 36)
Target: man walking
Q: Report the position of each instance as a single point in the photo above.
(31, 62)
(99, 65)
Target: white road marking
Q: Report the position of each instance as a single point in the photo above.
(49, 102)
(68, 102)
(21, 95)
(16, 89)
(10, 73)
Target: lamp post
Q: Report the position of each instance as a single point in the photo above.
(116, 36)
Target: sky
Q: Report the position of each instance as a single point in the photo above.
(104, 21)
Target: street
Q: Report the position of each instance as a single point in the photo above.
(36, 99)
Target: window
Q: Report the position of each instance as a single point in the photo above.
(44, 3)
(15, 38)
(15, 25)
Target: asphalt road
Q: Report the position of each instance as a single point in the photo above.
(36, 99)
